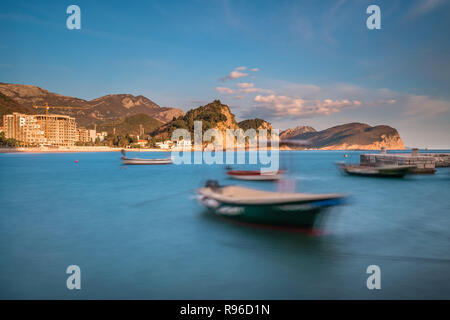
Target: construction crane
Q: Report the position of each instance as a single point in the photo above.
(47, 107)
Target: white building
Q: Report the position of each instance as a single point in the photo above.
(92, 135)
(101, 135)
(184, 143)
(165, 144)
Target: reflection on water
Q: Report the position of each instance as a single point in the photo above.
(137, 232)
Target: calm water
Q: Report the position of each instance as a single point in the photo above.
(138, 232)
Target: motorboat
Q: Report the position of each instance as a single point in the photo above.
(141, 161)
(256, 175)
(303, 210)
(391, 171)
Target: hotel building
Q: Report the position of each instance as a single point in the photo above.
(83, 135)
(57, 130)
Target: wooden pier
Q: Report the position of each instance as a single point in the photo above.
(425, 163)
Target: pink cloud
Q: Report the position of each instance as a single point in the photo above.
(245, 85)
(297, 107)
(236, 74)
(225, 90)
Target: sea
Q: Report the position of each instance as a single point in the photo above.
(138, 232)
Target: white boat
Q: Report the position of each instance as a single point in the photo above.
(255, 175)
(140, 161)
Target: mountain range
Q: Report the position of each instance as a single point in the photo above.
(104, 109)
(128, 114)
(290, 133)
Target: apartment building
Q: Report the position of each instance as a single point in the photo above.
(83, 135)
(24, 128)
(57, 130)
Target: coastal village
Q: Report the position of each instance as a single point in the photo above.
(55, 131)
(32, 117)
(141, 125)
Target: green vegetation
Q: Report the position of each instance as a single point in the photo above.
(129, 125)
(125, 132)
(8, 143)
(118, 141)
(210, 115)
(252, 124)
(111, 140)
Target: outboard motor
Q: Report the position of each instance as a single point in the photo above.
(213, 184)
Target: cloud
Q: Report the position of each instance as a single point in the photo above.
(424, 105)
(254, 70)
(422, 7)
(251, 90)
(248, 87)
(23, 18)
(290, 100)
(307, 100)
(245, 85)
(284, 106)
(225, 90)
(236, 74)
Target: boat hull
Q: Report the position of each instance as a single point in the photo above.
(255, 175)
(129, 161)
(307, 215)
(379, 174)
(387, 172)
(271, 177)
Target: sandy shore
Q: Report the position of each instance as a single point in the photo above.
(72, 149)
(110, 149)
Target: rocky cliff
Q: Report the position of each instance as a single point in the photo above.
(352, 136)
(289, 133)
(212, 115)
(256, 124)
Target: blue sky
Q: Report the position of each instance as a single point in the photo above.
(290, 62)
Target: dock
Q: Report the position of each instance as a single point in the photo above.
(425, 163)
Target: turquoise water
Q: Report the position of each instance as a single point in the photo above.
(137, 232)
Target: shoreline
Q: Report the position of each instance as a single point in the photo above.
(72, 150)
(45, 150)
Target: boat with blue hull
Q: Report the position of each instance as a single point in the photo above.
(300, 210)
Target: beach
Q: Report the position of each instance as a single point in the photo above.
(73, 149)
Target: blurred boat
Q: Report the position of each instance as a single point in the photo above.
(255, 175)
(393, 171)
(140, 161)
(264, 207)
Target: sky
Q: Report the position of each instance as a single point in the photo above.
(289, 62)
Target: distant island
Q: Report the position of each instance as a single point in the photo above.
(350, 136)
(124, 120)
